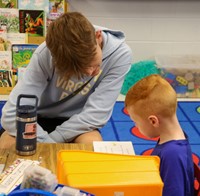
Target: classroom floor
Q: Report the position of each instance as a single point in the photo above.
(121, 128)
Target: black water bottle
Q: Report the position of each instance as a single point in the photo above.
(26, 125)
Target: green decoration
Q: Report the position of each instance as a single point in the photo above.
(137, 72)
(198, 109)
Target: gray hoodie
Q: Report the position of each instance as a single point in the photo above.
(88, 110)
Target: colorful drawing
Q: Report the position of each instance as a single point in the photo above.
(57, 6)
(9, 20)
(34, 5)
(5, 60)
(32, 22)
(5, 44)
(21, 54)
(8, 3)
(56, 9)
(5, 78)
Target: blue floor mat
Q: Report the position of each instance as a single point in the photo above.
(121, 128)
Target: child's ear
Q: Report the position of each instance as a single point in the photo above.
(153, 120)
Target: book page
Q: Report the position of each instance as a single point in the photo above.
(114, 147)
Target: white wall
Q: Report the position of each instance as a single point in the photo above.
(152, 26)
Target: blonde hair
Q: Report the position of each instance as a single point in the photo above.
(71, 40)
(152, 95)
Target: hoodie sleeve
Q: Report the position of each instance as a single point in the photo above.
(33, 82)
(98, 108)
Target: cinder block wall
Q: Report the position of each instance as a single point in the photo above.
(152, 27)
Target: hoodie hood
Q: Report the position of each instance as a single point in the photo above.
(112, 39)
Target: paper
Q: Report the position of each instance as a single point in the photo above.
(13, 176)
(114, 147)
(2, 168)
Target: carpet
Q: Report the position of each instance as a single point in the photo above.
(121, 128)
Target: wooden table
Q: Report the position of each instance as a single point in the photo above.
(46, 152)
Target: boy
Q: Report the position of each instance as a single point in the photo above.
(151, 104)
(75, 53)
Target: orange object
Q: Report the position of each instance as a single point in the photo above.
(110, 174)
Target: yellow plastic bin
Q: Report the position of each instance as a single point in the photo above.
(110, 174)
